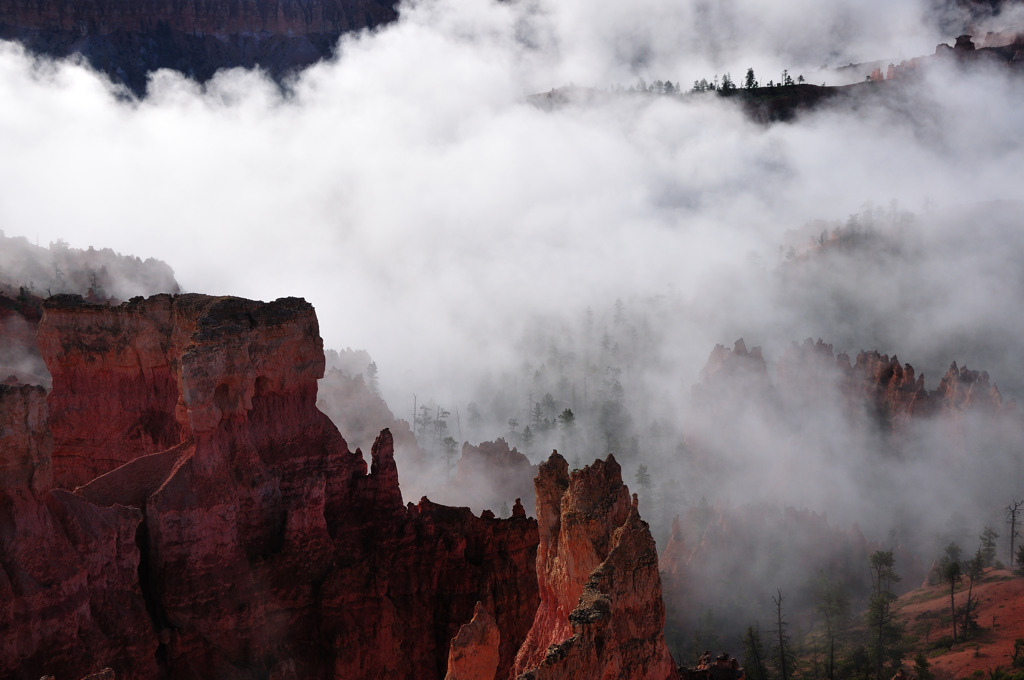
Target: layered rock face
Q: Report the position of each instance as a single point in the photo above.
(474, 651)
(220, 527)
(69, 592)
(115, 390)
(254, 543)
(601, 613)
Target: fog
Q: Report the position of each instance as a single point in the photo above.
(443, 223)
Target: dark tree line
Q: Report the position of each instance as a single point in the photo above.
(750, 82)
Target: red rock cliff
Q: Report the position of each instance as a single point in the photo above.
(267, 547)
(69, 592)
(601, 613)
(221, 528)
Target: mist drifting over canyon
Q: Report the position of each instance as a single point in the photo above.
(437, 219)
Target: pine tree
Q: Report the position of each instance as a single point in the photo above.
(750, 82)
(988, 546)
(753, 655)
(834, 607)
(951, 571)
(885, 630)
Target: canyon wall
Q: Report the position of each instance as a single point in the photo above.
(213, 523)
(69, 592)
(248, 540)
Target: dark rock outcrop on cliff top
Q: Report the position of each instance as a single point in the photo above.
(223, 527)
(127, 40)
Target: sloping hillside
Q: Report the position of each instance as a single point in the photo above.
(925, 613)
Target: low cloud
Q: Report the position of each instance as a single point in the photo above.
(433, 216)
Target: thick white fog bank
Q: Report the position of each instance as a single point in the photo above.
(414, 196)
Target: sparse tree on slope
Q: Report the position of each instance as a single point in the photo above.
(949, 568)
(371, 377)
(783, 654)
(972, 569)
(988, 547)
(922, 669)
(885, 631)
(1013, 511)
(834, 607)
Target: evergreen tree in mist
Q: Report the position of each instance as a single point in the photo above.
(972, 570)
(951, 572)
(371, 378)
(884, 630)
(988, 546)
(922, 669)
(526, 439)
(449, 447)
(643, 479)
(754, 663)
(567, 420)
(833, 604)
(705, 636)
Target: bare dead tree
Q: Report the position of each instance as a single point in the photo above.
(783, 651)
(1013, 511)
